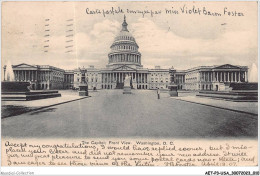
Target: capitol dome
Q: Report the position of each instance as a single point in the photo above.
(124, 50)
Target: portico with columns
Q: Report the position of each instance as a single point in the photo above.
(219, 77)
(114, 78)
(40, 76)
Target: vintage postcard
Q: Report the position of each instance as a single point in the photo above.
(129, 84)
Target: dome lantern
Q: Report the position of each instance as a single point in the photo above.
(124, 25)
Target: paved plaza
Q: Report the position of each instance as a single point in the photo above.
(109, 113)
(11, 108)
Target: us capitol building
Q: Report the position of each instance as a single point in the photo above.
(125, 59)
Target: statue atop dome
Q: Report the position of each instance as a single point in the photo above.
(124, 25)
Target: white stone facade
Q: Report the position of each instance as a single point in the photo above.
(125, 59)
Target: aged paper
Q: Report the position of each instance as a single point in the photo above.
(129, 84)
(114, 152)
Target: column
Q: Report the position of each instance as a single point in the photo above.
(29, 75)
(15, 75)
(141, 77)
(231, 76)
(239, 76)
(18, 75)
(246, 76)
(235, 76)
(24, 75)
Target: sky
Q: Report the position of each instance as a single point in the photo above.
(182, 40)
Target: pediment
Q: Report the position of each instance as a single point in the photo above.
(124, 68)
(24, 66)
(227, 66)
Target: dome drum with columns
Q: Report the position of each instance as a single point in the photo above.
(124, 50)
